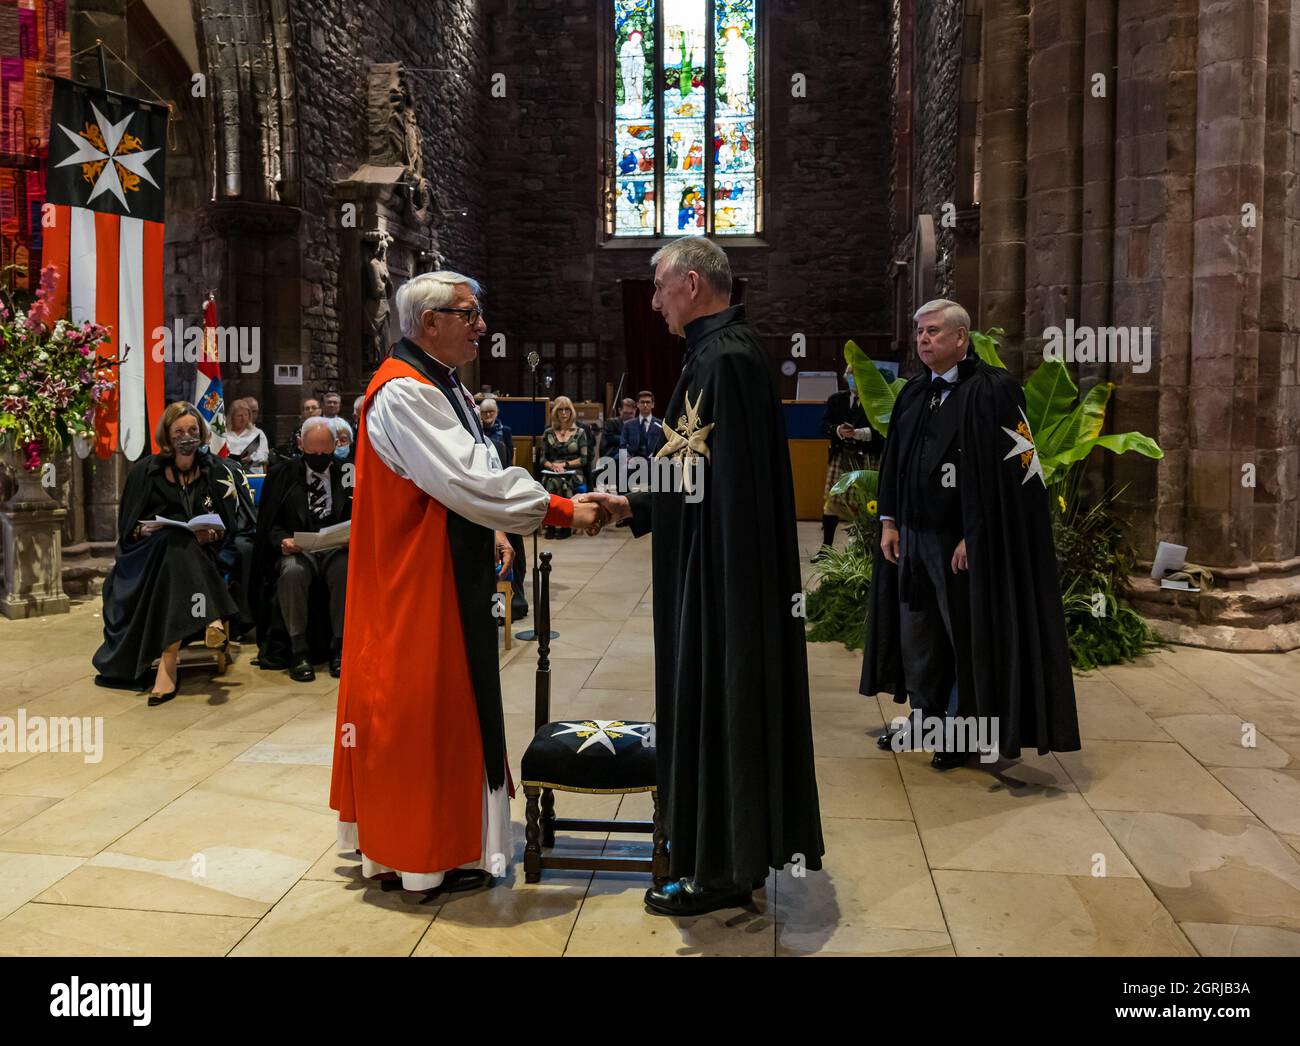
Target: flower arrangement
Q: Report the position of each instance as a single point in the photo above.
(51, 379)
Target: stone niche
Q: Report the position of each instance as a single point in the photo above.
(387, 205)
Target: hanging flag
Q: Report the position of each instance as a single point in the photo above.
(104, 236)
(209, 397)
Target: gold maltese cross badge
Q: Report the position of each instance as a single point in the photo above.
(688, 442)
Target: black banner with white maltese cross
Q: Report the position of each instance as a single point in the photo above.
(107, 152)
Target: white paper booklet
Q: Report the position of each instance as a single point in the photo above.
(207, 521)
(335, 536)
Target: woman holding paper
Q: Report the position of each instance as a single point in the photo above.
(178, 510)
(566, 453)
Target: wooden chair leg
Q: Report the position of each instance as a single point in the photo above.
(548, 818)
(509, 636)
(532, 836)
(659, 857)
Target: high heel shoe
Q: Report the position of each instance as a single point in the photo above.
(156, 699)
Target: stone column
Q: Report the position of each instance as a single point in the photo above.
(1002, 204)
(1054, 193)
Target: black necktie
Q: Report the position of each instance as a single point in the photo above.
(316, 495)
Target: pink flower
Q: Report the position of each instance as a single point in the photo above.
(32, 449)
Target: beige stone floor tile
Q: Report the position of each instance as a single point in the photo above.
(604, 704)
(1002, 825)
(24, 876)
(863, 787)
(57, 775)
(622, 673)
(1107, 713)
(1159, 690)
(1272, 795)
(313, 727)
(187, 757)
(847, 729)
(15, 809)
(304, 785)
(880, 942)
(1146, 775)
(255, 711)
(89, 821)
(1000, 913)
(1291, 743)
(582, 638)
(519, 681)
(328, 918)
(144, 725)
(614, 921)
(875, 878)
(60, 929)
(1227, 940)
(1213, 869)
(510, 918)
(1218, 740)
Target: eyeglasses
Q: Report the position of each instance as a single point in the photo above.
(472, 316)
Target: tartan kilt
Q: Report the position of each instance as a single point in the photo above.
(841, 461)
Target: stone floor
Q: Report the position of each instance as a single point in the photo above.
(205, 827)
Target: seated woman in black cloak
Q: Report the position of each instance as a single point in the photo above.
(166, 586)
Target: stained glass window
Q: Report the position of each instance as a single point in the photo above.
(684, 118)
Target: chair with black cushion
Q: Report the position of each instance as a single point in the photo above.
(595, 756)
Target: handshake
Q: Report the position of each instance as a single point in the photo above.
(594, 510)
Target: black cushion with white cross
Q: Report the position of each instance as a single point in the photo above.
(592, 755)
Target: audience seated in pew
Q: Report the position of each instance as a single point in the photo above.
(300, 614)
(169, 584)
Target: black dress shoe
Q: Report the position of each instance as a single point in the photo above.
(336, 664)
(156, 699)
(886, 740)
(684, 898)
(949, 760)
(302, 672)
(518, 610)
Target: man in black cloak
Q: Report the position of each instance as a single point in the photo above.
(966, 615)
(734, 731)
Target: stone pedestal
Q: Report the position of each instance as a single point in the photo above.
(32, 525)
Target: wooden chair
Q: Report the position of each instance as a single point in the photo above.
(593, 756)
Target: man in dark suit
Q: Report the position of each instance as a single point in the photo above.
(644, 434)
(306, 493)
(853, 442)
(612, 438)
(966, 617)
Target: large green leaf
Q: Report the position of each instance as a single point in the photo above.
(1082, 423)
(875, 393)
(1118, 443)
(986, 346)
(1049, 396)
(864, 481)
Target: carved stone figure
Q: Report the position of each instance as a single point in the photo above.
(376, 289)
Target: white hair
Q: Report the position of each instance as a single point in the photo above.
(698, 254)
(429, 290)
(317, 422)
(488, 401)
(357, 402)
(952, 313)
(338, 426)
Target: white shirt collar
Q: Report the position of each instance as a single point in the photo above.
(949, 375)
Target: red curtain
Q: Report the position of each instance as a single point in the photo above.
(654, 357)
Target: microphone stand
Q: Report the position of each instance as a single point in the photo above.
(530, 634)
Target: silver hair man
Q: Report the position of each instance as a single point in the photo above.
(429, 290)
(951, 313)
(697, 254)
(317, 422)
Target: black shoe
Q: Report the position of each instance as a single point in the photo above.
(302, 672)
(156, 699)
(518, 610)
(684, 899)
(885, 741)
(820, 554)
(563, 532)
(949, 760)
(336, 664)
(459, 880)
(549, 533)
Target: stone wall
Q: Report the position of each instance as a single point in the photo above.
(823, 266)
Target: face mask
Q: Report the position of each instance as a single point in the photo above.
(186, 445)
(317, 462)
(853, 385)
(342, 452)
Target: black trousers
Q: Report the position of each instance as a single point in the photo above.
(931, 632)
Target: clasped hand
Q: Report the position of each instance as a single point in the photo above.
(596, 508)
